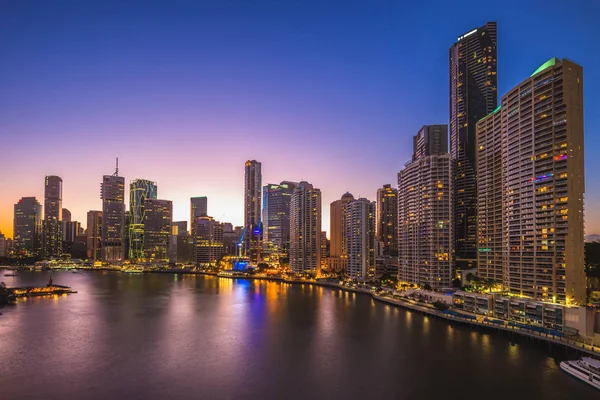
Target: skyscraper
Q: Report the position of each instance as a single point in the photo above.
(181, 227)
(531, 173)
(27, 227)
(66, 218)
(360, 223)
(305, 229)
(3, 245)
(140, 190)
(113, 217)
(473, 95)
(276, 215)
(252, 217)
(52, 235)
(208, 240)
(198, 208)
(94, 235)
(424, 221)
(158, 217)
(386, 225)
(337, 226)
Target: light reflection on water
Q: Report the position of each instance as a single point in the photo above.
(157, 336)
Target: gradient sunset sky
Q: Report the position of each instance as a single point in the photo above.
(184, 93)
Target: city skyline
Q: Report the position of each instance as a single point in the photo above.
(315, 133)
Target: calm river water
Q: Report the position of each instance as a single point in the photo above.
(160, 336)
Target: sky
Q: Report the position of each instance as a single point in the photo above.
(184, 92)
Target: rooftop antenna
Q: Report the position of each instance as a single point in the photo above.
(117, 168)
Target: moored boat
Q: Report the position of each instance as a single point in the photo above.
(587, 369)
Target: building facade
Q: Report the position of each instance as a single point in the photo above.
(52, 232)
(27, 227)
(473, 95)
(276, 216)
(208, 240)
(140, 190)
(113, 218)
(94, 235)
(198, 208)
(531, 163)
(305, 229)
(158, 218)
(360, 223)
(252, 218)
(386, 225)
(425, 241)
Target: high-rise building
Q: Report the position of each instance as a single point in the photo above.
(27, 227)
(324, 245)
(3, 245)
(473, 95)
(337, 226)
(305, 229)
(198, 208)
(431, 139)
(94, 235)
(425, 221)
(113, 217)
(531, 174)
(252, 217)
(276, 215)
(66, 218)
(360, 223)
(52, 235)
(180, 228)
(208, 240)
(158, 217)
(140, 190)
(386, 225)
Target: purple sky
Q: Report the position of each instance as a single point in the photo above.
(185, 93)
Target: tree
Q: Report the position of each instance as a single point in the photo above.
(427, 286)
(456, 283)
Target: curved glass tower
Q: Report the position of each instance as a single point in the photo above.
(140, 190)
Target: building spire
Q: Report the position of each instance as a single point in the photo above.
(117, 168)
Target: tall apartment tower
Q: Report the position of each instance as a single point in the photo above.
(360, 239)
(94, 235)
(198, 208)
(386, 225)
(276, 215)
(337, 218)
(252, 218)
(52, 234)
(431, 139)
(158, 222)
(113, 217)
(530, 164)
(208, 240)
(140, 190)
(305, 229)
(66, 218)
(27, 227)
(473, 95)
(425, 221)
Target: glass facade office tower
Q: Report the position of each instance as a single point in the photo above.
(386, 225)
(94, 235)
(531, 174)
(27, 227)
(208, 240)
(473, 95)
(252, 218)
(276, 214)
(360, 238)
(158, 219)
(305, 229)
(140, 190)
(113, 218)
(52, 233)
(198, 208)
(425, 221)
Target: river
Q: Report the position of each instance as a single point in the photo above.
(163, 336)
